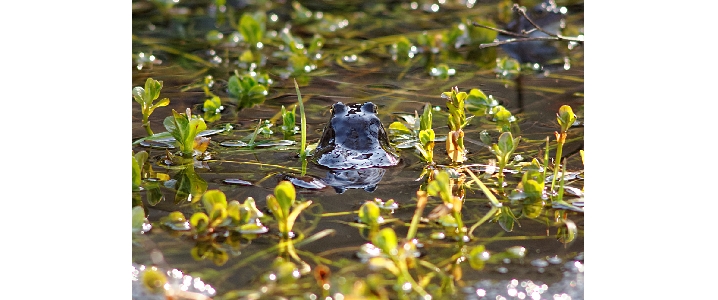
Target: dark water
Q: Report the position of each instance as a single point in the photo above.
(534, 98)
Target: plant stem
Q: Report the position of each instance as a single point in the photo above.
(561, 138)
(302, 150)
(421, 198)
(146, 124)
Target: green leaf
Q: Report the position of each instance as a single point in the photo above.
(276, 209)
(440, 187)
(426, 116)
(506, 143)
(152, 89)
(250, 29)
(286, 195)
(234, 88)
(217, 215)
(565, 117)
(398, 128)
(138, 218)
(212, 104)
(385, 240)
(153, 280)
(295, 213)
(426, 136)
(199, 221)
(477, 257)
(136, 175)
(233, 212)
(369, 213)
(256, 95)
(506, 218)
(139, 94)
(213, 199)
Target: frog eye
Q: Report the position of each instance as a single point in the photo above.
(369, 108)
(338, 108)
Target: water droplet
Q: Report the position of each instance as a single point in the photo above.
(554, 260)
(539, 263)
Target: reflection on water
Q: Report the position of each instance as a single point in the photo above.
(569, 287)
(365, 179)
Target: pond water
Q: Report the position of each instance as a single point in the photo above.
(357, 61)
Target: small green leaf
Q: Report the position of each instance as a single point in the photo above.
(219, 257)
(136, 175)
(139, 94)
(138, 218)
(426, 118)
(565, 117)
(234, 88)
(250, 29)
(214, 199)
(286, 195)
(426, 136)
(212, 104)
(385, 240)
(397, 128)
(506, 143)
(369, 213)
(153, 280)
(276, 209)
(152, 89)
(199, 221)
(233, 211)
(295, 213)
(477, 257)
(217, 215)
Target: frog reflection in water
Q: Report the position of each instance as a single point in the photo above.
(355, 147)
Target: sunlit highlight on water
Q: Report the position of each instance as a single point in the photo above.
(435, 7)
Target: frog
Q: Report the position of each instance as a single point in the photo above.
(354, 138)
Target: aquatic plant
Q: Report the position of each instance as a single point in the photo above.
(252, 27)
(479, 104)
(139, 221)
(146, 98)
(417, 133)
(441, 185)
(188, 185)
(212, 108)
(303, 146)
(507, 67)
(397, 260)
(442, 71)
(154, 280)
(565, 118)
(184, 127)
(230, 220)
(506, 146)
(457, 120)
(136, 175)
(503, 118)
(288, 122)
(249, 89)
(281, 204)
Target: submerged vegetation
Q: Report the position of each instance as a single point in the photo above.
(457, 211)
